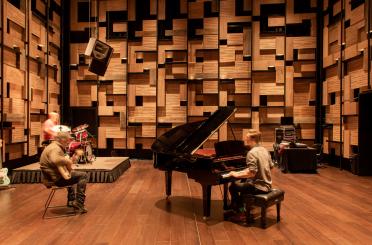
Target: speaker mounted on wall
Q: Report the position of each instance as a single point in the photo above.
(365, 133)
(101, 54)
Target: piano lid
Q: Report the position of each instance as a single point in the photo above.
(189, 137)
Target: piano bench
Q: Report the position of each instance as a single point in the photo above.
(264, 201)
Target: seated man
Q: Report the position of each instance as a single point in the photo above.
(256, 178)
(57, 169)
(48, 133)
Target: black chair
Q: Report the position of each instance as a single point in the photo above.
(70, 211)
(264, 201)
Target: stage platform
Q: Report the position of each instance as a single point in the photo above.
(102, 170)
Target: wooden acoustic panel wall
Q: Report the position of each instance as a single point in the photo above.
(283, 69)
(203, 62)
(108, 21)
(142, 73)
(177, 61)
(235, 65)
(31, 72)
(345, 62)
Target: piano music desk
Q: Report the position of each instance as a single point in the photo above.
(208, 152)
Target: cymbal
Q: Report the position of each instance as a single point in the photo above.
(61, 128)
(80, 127)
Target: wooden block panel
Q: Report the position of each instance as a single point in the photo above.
(15, 28)
(115, 133)
(267, 136)
(148, 130)
(102, 143)
(142, 114)
(35, 128)
(173, 67)
(33, 145)
(120, 143)
(352, 79)
(31, 76)
(270, 115)
(235, 52)
(14, 151)
(115, 70)
(304, 114)
(17, 132)
(111, 93)
(172, 112)
(81, 95)
(307, 131)
(331, 85)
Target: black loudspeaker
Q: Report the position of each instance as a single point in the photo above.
(365, 134)
(101, 54)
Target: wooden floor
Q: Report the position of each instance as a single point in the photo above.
(332, 207)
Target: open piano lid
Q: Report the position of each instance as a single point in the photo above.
(187, 138)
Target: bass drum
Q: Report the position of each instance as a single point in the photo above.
(74, 145)
(89, 156)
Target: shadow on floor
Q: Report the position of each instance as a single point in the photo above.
(188, 206)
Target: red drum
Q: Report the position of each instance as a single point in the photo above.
(73, 146)
(81, 135)
(85, 147)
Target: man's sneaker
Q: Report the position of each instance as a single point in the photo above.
(83, 209)
(238, 218)
(250, 219)
(70, 204)
(228, 213)
(79, 207)
(233, 206)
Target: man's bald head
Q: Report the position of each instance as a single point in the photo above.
(63, 138)
(54, 116)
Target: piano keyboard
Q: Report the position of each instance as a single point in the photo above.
(228, 175)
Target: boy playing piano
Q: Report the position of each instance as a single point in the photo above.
(256, 178)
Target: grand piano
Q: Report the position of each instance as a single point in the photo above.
(178, 150)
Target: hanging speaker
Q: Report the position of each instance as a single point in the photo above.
(100, 53)
(365, 134)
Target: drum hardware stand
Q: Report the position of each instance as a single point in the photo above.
(82, 142)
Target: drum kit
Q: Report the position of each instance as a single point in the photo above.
(82, 141)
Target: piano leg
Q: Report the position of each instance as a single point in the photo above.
(225, 194)
(168, 183)
(206, 200)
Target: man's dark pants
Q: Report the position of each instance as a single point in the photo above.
(80, 179)
(239, 188)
